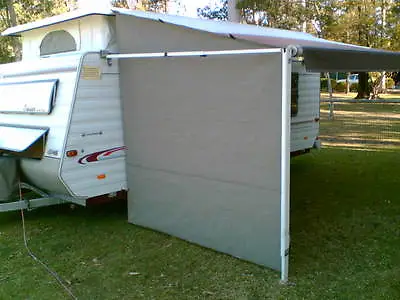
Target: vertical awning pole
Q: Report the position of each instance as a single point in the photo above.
(285, 163)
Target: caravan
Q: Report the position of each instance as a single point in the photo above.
(195, 118)
(60, 109)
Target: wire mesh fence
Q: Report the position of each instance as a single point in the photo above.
(361, 124)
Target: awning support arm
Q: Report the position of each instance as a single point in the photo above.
(110, 57)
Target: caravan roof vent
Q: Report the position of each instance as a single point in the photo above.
(57, 42)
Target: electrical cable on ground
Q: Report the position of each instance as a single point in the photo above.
(35, 258)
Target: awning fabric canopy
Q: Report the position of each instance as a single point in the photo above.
(337, 60)
(19, 139)
(319, 54)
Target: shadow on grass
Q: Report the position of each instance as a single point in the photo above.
(116, 210)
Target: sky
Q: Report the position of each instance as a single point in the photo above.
(192, 5)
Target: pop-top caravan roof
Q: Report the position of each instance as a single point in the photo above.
(73, 15)
(319, 54)
(80, 30)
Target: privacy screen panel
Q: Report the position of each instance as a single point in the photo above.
(204, 150)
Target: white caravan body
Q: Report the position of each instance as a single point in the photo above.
(305, 100)
(61, 115)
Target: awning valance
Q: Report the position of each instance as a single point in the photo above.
(337, 60)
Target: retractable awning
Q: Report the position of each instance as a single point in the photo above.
(320, 55)
(19, 139)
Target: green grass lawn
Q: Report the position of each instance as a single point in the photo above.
(345, 233)
(388, 96)
(361, 126)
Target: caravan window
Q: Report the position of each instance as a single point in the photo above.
(28, 97)
(294, 103)
(57, 42)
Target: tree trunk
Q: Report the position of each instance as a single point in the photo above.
(347, 83)
(304, 25)
(134, 4)
(330, 89)
(165, 6)
(363, 88)
(383, 83)
(16, 43)
(233, 12)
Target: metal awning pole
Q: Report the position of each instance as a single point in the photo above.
(192, 53)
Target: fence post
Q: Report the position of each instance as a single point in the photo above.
(331, 110)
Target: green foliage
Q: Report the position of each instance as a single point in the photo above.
(6, 50)
(218, 13)
(160, 6)
(340, 87)
(156, 5)
(354, 87)
(375, 83)
(31, 10)
(120, 3)
(284, 14)
(324, 84)
(390, 83)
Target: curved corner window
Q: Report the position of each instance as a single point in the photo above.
(28, 97)
(58, 41)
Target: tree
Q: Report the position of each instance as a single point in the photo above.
(285, 14)
(160, 6)
(363, 22)
(10, 48)
(233, 11)
(14, 12)
(393, 25)
(215, 13)
(360, 18)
